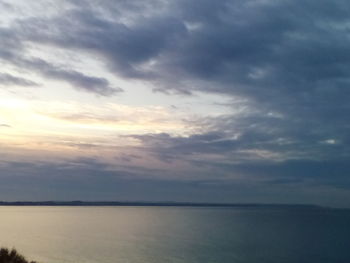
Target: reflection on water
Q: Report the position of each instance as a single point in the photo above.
(176, 234)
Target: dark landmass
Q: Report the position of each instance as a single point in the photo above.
(179, 204)
(12, 256)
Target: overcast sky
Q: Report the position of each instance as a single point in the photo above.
(186, 100)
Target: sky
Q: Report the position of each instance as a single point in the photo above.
(237, 101)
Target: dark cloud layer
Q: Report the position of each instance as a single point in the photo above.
(8, 79)
(241, 47)
(89, 179)
(78, 80)
(289, 57)
(13, 51)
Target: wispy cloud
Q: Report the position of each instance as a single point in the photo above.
(8, 79)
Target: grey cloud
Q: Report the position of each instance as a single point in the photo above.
(78, 80)
(299, 172)
(239, 138)
(242, 47)
(231, 38)
(232, 160)
(13, 51)
(10, 44)
(200, 143)
(125, 157)
(89, 179)
(8, 79)
(289, 56)
(125, 47)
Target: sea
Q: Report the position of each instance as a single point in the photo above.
(177, 234)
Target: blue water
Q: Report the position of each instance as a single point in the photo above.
(177, 234)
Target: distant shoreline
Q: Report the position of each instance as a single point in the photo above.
(163, 204)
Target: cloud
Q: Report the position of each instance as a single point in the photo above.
(244, 43)
(14, 52)
(259, 50)
(288, 60)
(256, 163)
(89, 179)
(8, 79)
(282, 56)
(255, 136)
(113, 116)
(78, 80)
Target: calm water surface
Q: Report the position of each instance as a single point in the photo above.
(175, 234)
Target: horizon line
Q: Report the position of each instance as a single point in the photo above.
(151, 203)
